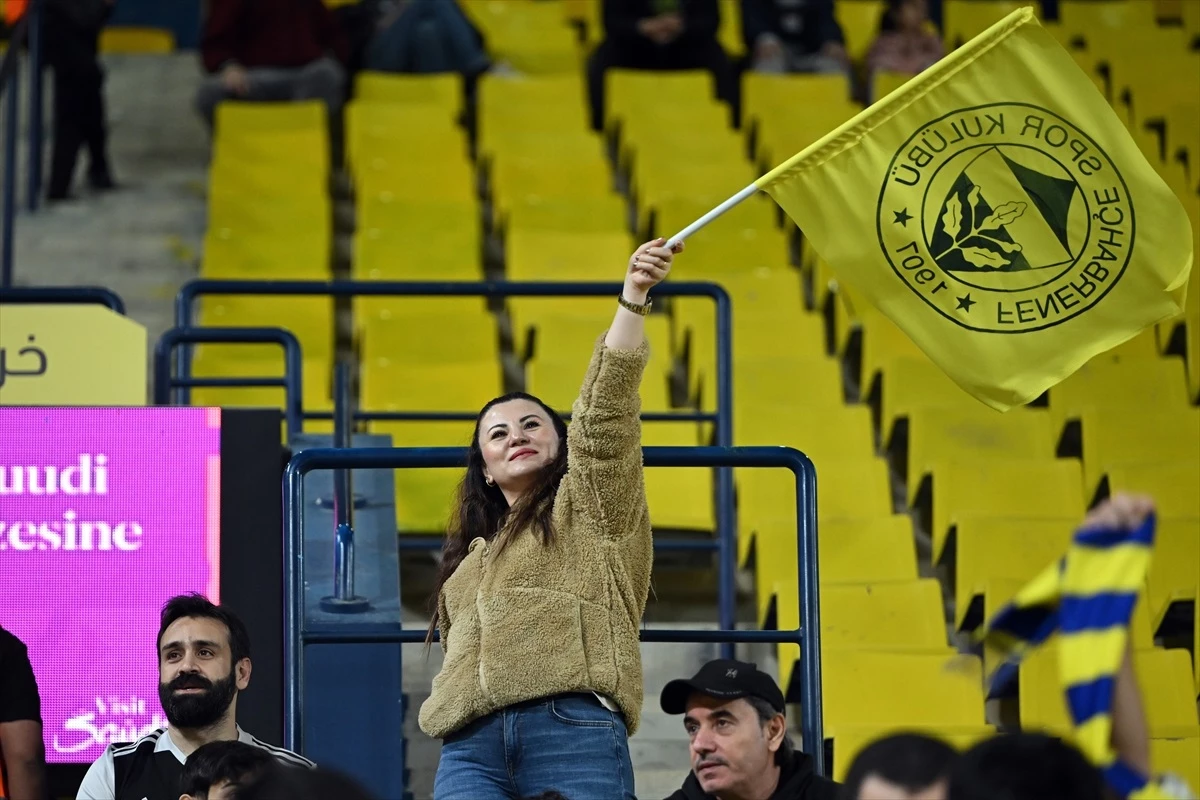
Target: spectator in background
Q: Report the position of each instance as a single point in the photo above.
(908, 43)
(22, 753)
(217, 769)
(740, 748)
(793, 36)
(203, 664)
(1030, 766)
(271, 50)
(72, 37)
(422, 36)
(658, 35)
(904, 766)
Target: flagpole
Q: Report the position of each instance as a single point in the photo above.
(711, 215)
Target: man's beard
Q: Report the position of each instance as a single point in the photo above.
(196, 710)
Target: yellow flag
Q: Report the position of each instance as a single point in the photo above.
(996, 210)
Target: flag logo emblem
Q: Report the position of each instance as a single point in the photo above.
(1005, 218)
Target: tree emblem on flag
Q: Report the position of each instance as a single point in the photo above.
(1005, 218)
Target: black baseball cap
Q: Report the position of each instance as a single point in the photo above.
(725, 679)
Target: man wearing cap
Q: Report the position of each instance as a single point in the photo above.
(740, 748)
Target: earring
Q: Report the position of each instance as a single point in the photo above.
(488, 480)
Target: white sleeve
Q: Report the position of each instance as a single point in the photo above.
(99, 782)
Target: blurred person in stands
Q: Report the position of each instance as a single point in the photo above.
(281, 782)
(734, 715)
(271, 50)
(1025, 766)
(203, 664)
(908, 43)
(543, 581)
(793, 36)
(217, 769)
(658, 35)
(424, 36)
(903, 766)
(22, 753)
(72, 38)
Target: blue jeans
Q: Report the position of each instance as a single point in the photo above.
(568, 743)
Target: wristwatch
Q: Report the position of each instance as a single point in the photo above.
(636, 308)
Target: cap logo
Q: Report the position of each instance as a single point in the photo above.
(731, 673)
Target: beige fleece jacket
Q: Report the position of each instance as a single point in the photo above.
(541, 620)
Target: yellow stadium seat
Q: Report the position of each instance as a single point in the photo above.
(428, 331)
(882, 341)
(1178, 756)
(628, 91)
(1164, 676)
(450, 253)
(251, 119)
(213, 361)
(851, 740)
(533, 37)
(847, 489)
(1118, 438)
(555, 255)
(912, 383)
(1004, 548)
(834, 432)
(309, 318)
(464, 386)
(1048, 489)
(377, 129)
(425, 497)
(132, 40)
(443, 90)
(522, 177)
(1138, 383)
(1175, 568)
(605, 214)
(433, 178)
(1172, 484)
(884, 83)
(747, 239)
(231, 215)
(262, 257)
(798, 383)
(963, 20)
(938, 435)
(764, 93)
(782, 132)
(860, 24)
(878, 688)
(507, 103)
(729, 32)
(867, 551)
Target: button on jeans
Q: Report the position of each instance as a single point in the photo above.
(567, 743)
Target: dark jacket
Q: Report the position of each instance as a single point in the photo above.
(796, 782)
(269, 33)
(700, 19)
(803, 25)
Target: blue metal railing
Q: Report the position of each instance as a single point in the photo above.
(166, 384)
(722, 418)
(297, 633)
(66, 295)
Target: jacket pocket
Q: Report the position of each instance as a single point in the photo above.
(531, 644)
(582, 710)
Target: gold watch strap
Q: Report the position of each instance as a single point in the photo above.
(636, 308)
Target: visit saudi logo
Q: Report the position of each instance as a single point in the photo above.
(1005, 218)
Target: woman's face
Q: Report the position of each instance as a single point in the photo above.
(517, 440)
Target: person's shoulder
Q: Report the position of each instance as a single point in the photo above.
(10, 644)
(281, 754)
(120, 749)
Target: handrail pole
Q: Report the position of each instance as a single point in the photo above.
(807, 636)
(63, 295)
(33, 186)
(726, 520)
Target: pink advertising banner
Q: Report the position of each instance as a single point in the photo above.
(104, 514)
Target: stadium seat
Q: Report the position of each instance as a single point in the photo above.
(1179, 755)
(554, 255)
(628, 91)
(442, 90)
(133, 40)
(879, 550)
(1140, 383)
(963, 20)
(534, 38)
(912, 383)
(1175, 568)
(1164, 676)
(1172, 484)
(262, 257)
(425, 497)
(859, 20)
(447, 249)
(1118, 438)
(834, 432)
(1001, 549)
(430, 331)
(309, 318)
(1048, 489)
(603, 213)
(967, 434)
(217, 361)
(879, 688)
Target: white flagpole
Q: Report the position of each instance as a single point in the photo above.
(711, 215)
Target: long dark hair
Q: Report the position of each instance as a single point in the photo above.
(482, 510)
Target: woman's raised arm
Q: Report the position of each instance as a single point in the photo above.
(647, 268)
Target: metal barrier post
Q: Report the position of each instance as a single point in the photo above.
(724, 541)
(343, 600)
(9, 210)
(33, 187)
(66, 295)
(292, 381)
(297, 634)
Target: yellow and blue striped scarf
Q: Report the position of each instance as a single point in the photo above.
(1087, 598)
